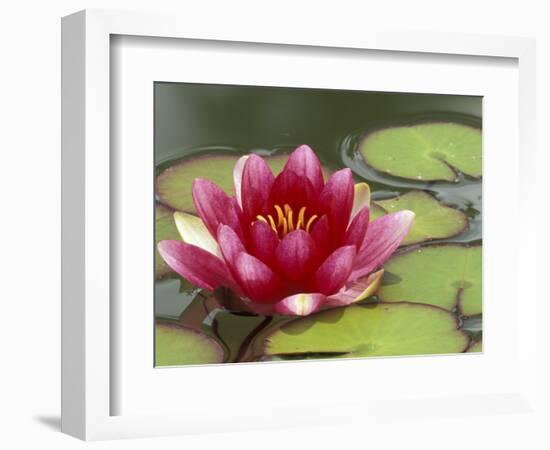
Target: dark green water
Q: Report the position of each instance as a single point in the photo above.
(198, 118)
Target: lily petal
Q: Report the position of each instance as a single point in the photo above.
(383, 237)
(320, 232)
(300, 304)
(263, 242)
(336, 200)
(195, 264)
(360, 290)
(215, 207)
(358, 228)
(290, 188)
(254, 277)
(257, 180)
(238, 176)
(333, 273)
(257, 280)
(361, 198)
(297, 256)
(304, 163)
(193, 231)
(230, 244)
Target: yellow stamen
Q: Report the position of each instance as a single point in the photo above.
(289, 218)
(272, 223)
(289, 213)
(284, 227)
(310, 222)
(283, 222)
(280, 215)
(301, 215)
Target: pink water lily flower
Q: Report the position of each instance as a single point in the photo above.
(288, 244)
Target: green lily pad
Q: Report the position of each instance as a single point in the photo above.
(427, 152)
(447, 276)
(370, 330)
(165, 228)
(237, 331)
(476, 347)
(376, 211)
(174, 184)
(198, 310)
(176, 345)
(433, 220)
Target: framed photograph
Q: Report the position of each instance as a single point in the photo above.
(251, 221)
(282, 252)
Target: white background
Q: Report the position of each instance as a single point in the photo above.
(30, 138)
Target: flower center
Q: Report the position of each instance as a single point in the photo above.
(286, 220)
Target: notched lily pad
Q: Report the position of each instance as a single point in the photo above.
(174, 184)
(165, 229)
(195, 313)
(176, 345)
(427, 152)
(447, 276)
(373, 330)
(476, 347)
(236, 331)
(376, 211)
(433, 220)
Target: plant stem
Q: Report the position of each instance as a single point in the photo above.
(245, 350)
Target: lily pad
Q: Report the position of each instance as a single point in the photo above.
(433, 219)
(427, 152)
(165, 228)
(236, 331)
(198, 310)
(376, 211)
(447, 276)
(370, 330)
(176, 345)
(175, 183)
(476, 347)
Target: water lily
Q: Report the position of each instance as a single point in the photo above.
(288, 244)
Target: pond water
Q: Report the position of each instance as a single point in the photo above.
(197, 119)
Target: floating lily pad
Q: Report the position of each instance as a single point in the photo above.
(427, 152)
(476, 347)
(433, 219)
(176, 346)
(165, 228)
(447, 276)
(174, 184)
(370, 330)
(198, 310)
(237, 331)
(376, 211)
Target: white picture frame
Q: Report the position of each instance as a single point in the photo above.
(89, 330)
